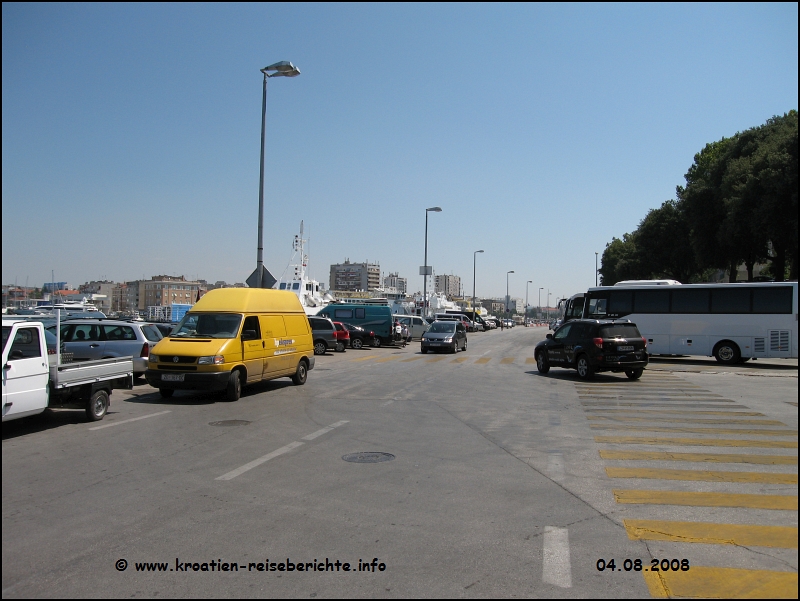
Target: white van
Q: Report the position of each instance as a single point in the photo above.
(417, 326)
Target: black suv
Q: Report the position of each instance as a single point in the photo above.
(592, 346)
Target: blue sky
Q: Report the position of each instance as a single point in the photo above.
(131, 133)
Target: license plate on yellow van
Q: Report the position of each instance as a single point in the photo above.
(172, 377)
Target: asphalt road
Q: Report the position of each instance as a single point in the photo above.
(499, 482)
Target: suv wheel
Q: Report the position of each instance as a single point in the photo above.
(634, 374)
(585, 371)
(320, 347)
(542, 364)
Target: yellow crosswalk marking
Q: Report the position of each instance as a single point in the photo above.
(675, 411)
(691, 420)
(435, 359)
(722, 583)
(688, 430)
(506, 360)
(706, 499)
(460, 360)
(701, 475)
(698, 457)
(781, 537)
(530, 360)
(385, 359)
(697, 442)
(483, 360)
(412, 359)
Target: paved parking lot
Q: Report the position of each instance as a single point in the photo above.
(474, 476)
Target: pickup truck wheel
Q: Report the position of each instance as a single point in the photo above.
(166, 392)
(301, 375)
(98, 406)
(356, 343)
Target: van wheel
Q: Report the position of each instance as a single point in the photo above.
(465, 345)
(166, 392)
(98, 406)
(585, 371)
(727, 352)
(301, 375)
(356, 343)
(320, 347)
(378, 342)
(234, 390)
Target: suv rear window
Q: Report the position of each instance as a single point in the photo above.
(320, 324)
(620, 331)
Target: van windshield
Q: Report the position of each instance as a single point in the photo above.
(208, 325)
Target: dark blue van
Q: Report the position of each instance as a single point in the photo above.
(377, 318)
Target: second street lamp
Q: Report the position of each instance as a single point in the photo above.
(474, 310)
(540, 303)
(507, 297)
(424, 270)
(526, 301)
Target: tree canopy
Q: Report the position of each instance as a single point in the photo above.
(739, 205)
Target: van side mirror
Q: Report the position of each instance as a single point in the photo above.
(249, 335)
(549, 336)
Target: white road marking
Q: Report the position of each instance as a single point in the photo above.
(255, 463)
(318, 433)
(126, 421)
(387, 403)
(556, 568)
(291, 446)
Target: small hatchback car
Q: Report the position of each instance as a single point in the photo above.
(591, 346)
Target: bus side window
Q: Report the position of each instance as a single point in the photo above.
(597, 306)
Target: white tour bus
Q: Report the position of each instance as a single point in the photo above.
(732, 322)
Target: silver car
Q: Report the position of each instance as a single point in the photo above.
(89, 339)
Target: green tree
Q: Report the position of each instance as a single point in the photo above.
(620, 261)
(663, 245)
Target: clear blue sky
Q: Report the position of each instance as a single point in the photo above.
(131, 132)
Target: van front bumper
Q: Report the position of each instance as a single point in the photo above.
(212, 381)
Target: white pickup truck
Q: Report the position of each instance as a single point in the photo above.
(34, 380)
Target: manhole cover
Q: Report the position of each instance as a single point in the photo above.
(230, 422)
(368, 457)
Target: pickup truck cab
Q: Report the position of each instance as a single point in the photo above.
(32, 382)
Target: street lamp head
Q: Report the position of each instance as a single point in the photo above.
(435, 209)
(530, 281)
(478, 251)
(512, 271)
(283, 67)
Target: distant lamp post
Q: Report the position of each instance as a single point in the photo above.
(548, 304)
(596, 271)
(526, 300)
(474, 310)
(507, 297)
(540, 302)
(425, 270)
(257, 279)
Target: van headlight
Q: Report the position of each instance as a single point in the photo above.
(449, 339)
(214, 360)
(153, 358)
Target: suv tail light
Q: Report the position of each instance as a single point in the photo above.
(645, 341)
(598, 342)
(145, 350)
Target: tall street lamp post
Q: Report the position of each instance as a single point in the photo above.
(526, 301)
(257, 279)
(548, 304)
(595, 269)
(474, 310)
(425, 270)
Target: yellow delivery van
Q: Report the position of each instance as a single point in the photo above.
(233, 337)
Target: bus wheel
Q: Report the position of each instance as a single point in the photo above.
(727, 352)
